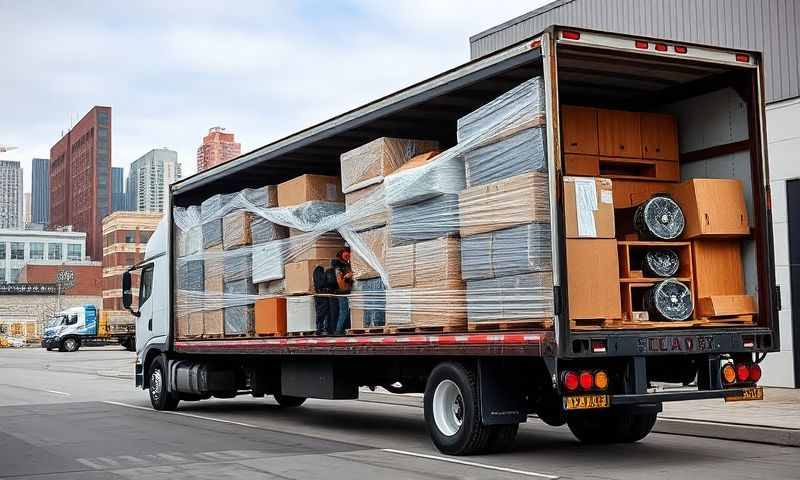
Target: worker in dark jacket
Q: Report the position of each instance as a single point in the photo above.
(344, 283)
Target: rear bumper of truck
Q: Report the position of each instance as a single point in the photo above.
(660, 397)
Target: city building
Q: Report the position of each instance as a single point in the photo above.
(27, 304)
(118, 202)
(40, 191)
(11, 199)
(80, 178)
(125, 236)
(26, 217)
(20, 247)
(217, 147)
(746, 25)
(150, 177)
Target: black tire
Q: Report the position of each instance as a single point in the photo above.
(70, 344)
(611, 428)
(160, 397)
(502, 438)
(129, 344)
(49, 349)
(465, 434)
(286, 401)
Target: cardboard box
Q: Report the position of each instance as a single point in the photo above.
(512, 251)
(718, 267)
(424, 177)
(236, 230)
(263, 231)
(213, 321)
(196, 324)
(238, 320)
(425, 220)
(589, 207)
(301, 314)
(726, 305)
(398, 307)
(268, 260)
(367, 207)
(593, 279)
(300, 275)
(376, 242)
(712, 208)
(273, 287)
(437, 261)
(368, 303)
(325, 246)
(214, 266)
(369, 163)
(189, 241)
(515, 155)
(237, 265)
(513, 298)
(400, 265)
(505, 203)
(306, 188)
(270, 316)
(442, 305)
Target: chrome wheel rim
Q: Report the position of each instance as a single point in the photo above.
(155, 385)
(448, 408)
(69, 344)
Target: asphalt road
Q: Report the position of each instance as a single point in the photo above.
(77, 415)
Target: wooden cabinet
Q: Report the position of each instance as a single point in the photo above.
(659, 137)
(579, 129)
(619, 134)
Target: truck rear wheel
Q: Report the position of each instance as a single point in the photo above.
(70, 344)
(160, 397)
(452, 411)
(286, 401)
(611, 428)
(502, 438)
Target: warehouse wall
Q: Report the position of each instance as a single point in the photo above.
(770, 26)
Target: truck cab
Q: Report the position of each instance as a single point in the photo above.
(66, 328)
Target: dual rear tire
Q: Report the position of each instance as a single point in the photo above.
(611, 427)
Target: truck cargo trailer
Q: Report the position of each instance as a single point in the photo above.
(566, 227)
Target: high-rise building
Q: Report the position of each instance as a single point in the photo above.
(11, 200)
(130, 194)
(217, 147)
(26, 217)
(150, 177)
(80, 178)
(118, 189)
(40, 191)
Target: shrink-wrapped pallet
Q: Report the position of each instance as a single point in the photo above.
(366, 208)
(398, 307)
(505, 203)
(370, 163)
(236, 229)
(425, 176)
(506, 299)
(268, 261)
(437, 261)
(372, 251)
(523, 152)
(368, 304)
(301, 314)
(511, 251)
(441, 305)
(428, 219)
(517, 109)
(309, 188)
(238, 312)
(400, 265)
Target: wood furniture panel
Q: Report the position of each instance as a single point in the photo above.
(579, 129)
(619, 134)
(717, 266)
(581, 165)
(630, 193)
(659, 137)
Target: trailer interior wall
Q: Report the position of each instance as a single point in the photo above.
(717, 110)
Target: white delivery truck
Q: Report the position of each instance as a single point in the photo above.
(73, 327)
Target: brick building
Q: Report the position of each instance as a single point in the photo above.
(217, 147)
(80, 178)
(125, 236)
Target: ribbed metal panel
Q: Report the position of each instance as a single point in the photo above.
(770, 26)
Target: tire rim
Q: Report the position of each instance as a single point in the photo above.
(155, 385)
(70, 344)
(448, 408)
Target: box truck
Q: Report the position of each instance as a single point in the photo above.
(577, 226)
(73, 327)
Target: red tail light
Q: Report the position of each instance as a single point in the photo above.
(586, 380)
(570, 381)
(641, 44)
(742, 57)
(571, 35)
(661, 47)
(680, 49)
(742, 372)
(755, 373)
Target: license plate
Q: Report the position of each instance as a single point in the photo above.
(753, 393)
(585, 402)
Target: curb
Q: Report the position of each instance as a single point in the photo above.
(671, 426)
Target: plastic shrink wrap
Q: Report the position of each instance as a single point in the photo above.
(456, 239)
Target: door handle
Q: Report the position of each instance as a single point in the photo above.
(150, 324)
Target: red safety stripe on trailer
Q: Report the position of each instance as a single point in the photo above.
(506, 339)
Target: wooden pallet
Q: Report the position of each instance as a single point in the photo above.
(366, 331)
(307, 333)
(270, 334)
(744, 320)
(424, 329)
(508, 325)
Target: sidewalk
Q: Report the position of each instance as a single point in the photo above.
(774, 420)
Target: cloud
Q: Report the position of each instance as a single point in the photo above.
(171, 70)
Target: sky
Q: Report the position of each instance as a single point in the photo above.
(261, 69)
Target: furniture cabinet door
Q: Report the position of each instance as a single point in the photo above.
(579, 129)
(659, 137)
(619, 133)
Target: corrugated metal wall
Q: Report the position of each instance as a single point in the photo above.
(770, 26)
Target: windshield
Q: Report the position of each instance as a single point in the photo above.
(56, 320)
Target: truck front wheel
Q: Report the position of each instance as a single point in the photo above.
(160, 397)
(611, 428)
(452, 411)
(286, 401)
(70, 344)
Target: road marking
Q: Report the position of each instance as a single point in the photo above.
(183, 414)
(472, 464)
(59, 393)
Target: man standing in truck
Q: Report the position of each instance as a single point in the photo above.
(344, 283)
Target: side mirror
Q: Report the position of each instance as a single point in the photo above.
(127, 296)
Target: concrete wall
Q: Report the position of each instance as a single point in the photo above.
(783, 137)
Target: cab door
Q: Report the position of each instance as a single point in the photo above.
(144, 322)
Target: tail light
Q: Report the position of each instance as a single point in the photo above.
(728, 373)
(586, 380)
(570, 381)
(661, 47)
(680, 49)
(601, 380)
(742, 57)
(571, 35)
(742, 372)
(641, 44)
(755, 373)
